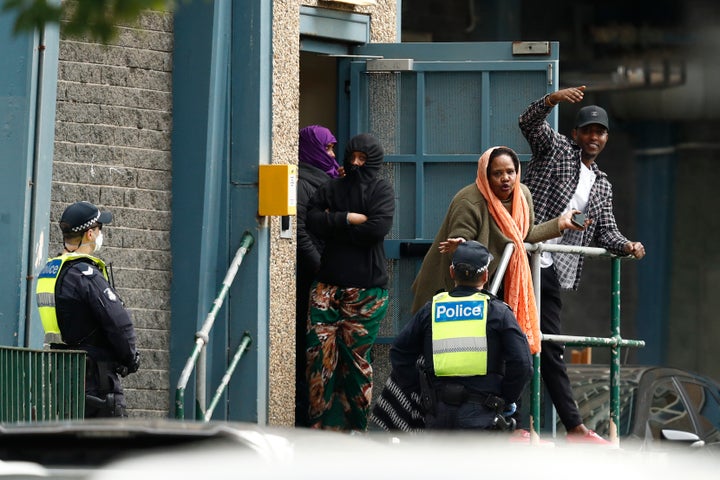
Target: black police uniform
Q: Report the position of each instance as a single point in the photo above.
(91, 317)
(509, 368)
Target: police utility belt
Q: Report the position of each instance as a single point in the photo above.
(456, 394)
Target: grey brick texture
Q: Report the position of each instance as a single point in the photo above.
(112, 147)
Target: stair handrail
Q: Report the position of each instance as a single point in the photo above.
(199, 353)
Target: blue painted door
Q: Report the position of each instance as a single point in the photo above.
(436, 107)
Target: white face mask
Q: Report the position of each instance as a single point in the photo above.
(98, 242)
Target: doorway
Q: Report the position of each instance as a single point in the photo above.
(318, 90)
(318, 106)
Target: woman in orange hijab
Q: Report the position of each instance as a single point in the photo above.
(494, 210)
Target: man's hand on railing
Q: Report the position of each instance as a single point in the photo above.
(636, 249)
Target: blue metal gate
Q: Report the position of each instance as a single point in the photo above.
(436, 107)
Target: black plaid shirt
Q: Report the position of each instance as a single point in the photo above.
(552, 177)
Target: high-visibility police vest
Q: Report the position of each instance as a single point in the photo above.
(45, 288)
(459, 339)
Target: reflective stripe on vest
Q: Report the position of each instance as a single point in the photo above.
(459, 339)
(45, 288)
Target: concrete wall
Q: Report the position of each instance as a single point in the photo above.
(693, 302)
(286, 100)
(112, 148)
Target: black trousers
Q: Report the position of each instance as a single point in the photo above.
(303, 282)
(552, 362)
(466, 416)
(104, 396)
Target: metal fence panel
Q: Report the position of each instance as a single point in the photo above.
(41, 385)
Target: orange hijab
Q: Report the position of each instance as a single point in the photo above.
(519, 293)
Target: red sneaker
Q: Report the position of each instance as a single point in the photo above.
(524, 437)
(590, 438)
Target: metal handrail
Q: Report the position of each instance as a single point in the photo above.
(198, 355)
(502, 266)
(614, 342)
(244, 345)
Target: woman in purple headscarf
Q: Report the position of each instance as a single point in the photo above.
(316, 165)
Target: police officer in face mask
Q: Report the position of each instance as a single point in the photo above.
(80, 310)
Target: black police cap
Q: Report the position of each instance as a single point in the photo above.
(473, 254)
(80, 216)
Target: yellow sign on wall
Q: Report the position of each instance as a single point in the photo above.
(277, 190)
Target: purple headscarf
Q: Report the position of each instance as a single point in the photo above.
(313, 140)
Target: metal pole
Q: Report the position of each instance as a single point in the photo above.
(535, 400)
(615, 353)
(575, 340)
(502, 266)
(184, 378)
(226, 378)
(200, 383)
(535, 403)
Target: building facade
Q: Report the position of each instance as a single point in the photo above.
(167, 125)
(147, 127)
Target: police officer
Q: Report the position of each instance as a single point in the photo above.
(477, 360)
(78, 304)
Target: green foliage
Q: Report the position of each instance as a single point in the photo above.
(98, 19)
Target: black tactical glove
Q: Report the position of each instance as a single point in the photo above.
(135, 365)
(125, 370)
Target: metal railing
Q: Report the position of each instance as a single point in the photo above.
(198, 357)
(614, 341)
(41, 385)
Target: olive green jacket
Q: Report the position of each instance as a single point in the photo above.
(468, 217)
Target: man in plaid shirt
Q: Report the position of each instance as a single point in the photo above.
(562, 174)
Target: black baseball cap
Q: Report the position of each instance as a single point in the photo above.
(81, 216)
(591, 114)
(472, 253)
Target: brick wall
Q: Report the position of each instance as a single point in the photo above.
(112, 147)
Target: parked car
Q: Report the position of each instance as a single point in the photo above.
(168, 449)
(659, 406)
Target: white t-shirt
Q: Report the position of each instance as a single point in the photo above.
(577, 202)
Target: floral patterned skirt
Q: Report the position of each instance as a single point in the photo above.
(342, 326)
